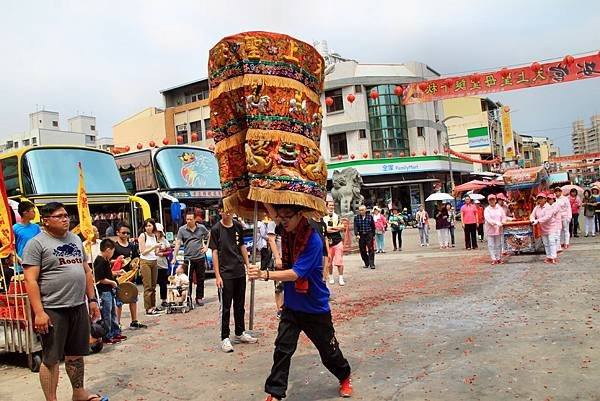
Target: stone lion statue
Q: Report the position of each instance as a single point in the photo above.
(346, 190)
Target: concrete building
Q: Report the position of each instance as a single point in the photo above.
(584, 139)
(536, 150)
(474, 127)
(44, 129)
(186, 114)
(397, 149)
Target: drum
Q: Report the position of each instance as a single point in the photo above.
(127, 292)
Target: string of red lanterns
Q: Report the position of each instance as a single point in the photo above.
(470, 159)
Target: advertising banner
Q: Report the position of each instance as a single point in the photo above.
(478, 137)
(568, 69)
(508, 141)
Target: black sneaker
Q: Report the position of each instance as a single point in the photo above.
(372, 266)
(164, 304)
(135, 324)
(365, 267)
(199, 302)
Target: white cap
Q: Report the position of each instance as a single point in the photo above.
(159, 227)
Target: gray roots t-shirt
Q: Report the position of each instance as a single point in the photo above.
(62, 278)
(192, 241)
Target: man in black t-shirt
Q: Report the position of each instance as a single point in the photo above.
(107, 286)
(229, 260)
(125, 248)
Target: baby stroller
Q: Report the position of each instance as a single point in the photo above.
(179, 299)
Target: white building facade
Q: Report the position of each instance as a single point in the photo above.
(44, 129)
(397, 149)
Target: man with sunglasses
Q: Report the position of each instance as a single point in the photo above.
(126, 249)
(58, 281)
(306, 303)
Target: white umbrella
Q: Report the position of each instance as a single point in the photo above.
(439, 196)
(476, 196)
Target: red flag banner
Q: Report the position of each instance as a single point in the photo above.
(574, 158)
(7, 236)
(568, 69)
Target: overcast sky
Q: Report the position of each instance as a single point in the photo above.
(111, 58)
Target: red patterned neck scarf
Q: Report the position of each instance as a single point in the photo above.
(292, 245)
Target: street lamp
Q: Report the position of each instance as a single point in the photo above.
(448, 146)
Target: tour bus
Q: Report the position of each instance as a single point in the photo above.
(45, 174)
(173, 179)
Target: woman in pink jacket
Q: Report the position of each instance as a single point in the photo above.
(564, 207)
(545, 215)
(494, 216)
(556, 220)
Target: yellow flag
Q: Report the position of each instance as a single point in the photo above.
(6, 232)
(85, 218)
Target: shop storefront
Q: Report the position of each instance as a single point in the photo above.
(403, 182)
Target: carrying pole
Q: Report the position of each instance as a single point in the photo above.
(252, 282)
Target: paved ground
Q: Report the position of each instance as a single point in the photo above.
(426, 324)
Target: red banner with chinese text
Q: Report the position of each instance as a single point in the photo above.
(506, 79)
(7, 236)
(574, 158)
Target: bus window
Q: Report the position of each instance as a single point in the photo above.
(11, 176)
(184, 168)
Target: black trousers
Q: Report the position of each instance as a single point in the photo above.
(319, 329)
(471, 236)
(233, 290)
(597, 221)
(452, 235)
(397, 236)
(574, 225)
(198, 266)
(480, 231)
(266, 258)
(163, 280)
(367, 250)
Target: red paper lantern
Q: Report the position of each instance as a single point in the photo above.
(152, 144)
(166, 141)
(504, 72)
(329, 101)
(506, 109)
(401, 154)
(424, 153)
(351, 98)
(377, 154)
(535, 67)
(446, 150)
(139, 146)
(413, 154)
(435, 151)
(569, 59)
(194, 137)
(127, 148)
(448, 82)
(423, 86)
(390, 154)
(365, 155)
(179, 139)
(374, 95)
(339, 157)
(211, 147)
(352, 156)
(113, 151)
(398, 90)
(209, 134)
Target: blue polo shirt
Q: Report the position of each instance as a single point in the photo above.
(309, 266)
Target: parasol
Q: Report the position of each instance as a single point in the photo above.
(265, 92)
(566, 189)
(476, 196)
(439, 196)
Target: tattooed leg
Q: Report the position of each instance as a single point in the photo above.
(75, 370)
(49, 381)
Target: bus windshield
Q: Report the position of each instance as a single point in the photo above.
(189, 168)
(54, 171)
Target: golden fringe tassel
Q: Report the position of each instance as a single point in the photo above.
(264, 80)
(283, 197)
(231, 141)
(275, 135)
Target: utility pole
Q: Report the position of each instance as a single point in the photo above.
(448, 146)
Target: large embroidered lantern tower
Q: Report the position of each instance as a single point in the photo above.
(265, 91)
